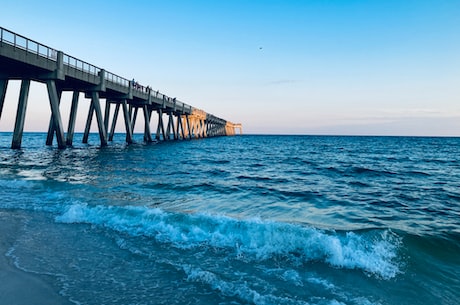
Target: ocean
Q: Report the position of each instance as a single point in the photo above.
(252, 219)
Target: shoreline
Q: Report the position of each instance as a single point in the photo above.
(17, 286)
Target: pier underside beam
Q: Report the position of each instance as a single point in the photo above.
(21, 114)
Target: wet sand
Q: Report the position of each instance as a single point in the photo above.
(16, 286)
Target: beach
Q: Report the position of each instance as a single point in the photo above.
(17, 286)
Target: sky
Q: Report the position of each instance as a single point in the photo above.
(342, 67)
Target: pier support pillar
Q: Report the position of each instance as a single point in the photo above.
(147, 133)
(3, 86)
(160, 128)
(187, 119)
(170, 127)
(95, 107)
(179, 130)
(129, 130)
(100, 121)
(51, 129)
(196, 129)
(55, 113)
(72, 118)
(180, 127)
(200, 128)
(21, 114)
(134, 117)
(107, 115)
(184, 126)
(191, 126)
(114, 122)
(127, 120)
(89, 119)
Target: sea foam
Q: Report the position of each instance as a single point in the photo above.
(374, 252)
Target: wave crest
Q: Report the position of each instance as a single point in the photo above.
(374, 252)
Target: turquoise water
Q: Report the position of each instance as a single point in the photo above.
(238, 220)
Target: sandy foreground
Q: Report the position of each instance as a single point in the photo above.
(16, 286)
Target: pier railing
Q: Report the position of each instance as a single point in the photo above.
(29, 45)
(80, 65)
(116, 79)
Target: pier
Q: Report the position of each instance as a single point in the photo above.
(27, 60)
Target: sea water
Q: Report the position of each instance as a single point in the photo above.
(237, 220)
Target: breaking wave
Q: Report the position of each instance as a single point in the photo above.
(375, 252)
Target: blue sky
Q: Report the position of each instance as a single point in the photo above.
(303, 67)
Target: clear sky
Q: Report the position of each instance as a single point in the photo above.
(278, 67)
